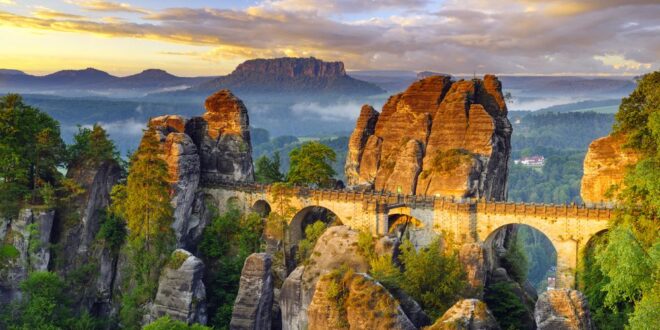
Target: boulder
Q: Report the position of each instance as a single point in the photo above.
(436, 138)
(473, 259)
(466, 314)
(562, 310)
(28, 236)
(335, 248)
(181, 293)
(354, 301)
(254, 301)
(222, 137)
(605, 167)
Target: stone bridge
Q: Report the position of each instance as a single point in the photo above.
(568, 227)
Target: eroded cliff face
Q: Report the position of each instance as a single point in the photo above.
(215, 146)
(605, 167)
(436, 138)
(562, 310)
(27, 237)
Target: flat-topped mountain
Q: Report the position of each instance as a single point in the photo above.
(288, 74)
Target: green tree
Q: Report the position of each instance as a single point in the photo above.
(268, 169)
(31, 149)
(626, 265)
(434, 278)
(93, 145)
(147, 204)
(310, 164)
(144, 203)
(306, 245)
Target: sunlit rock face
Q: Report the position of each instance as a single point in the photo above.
(562, 310)
(466, 314)
(605, 167)
(367, 304)
(438, 137)
(222, 137)
(254, 301)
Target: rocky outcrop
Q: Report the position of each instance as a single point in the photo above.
(562, 310)
(436, 138)
(254, 302)
(77, 226)
(354, 301)
(335, 248)
(26, 241)
(181, 293)
(291, 301)
(605, 167)
(366, 124)
(183, 167)
(473, 259)
(222, 137)
(466, 314)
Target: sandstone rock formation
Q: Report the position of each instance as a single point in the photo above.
(604, 167)
(363, 304)
(436, 138)
(181, 293)
(336, 247)
(254, 302)
(562, 310)
(77, 227)
(473, 259)
(366, 123)
(466, 314)
(213, 147)
(29, 237)
(291, 301)
(222, 137)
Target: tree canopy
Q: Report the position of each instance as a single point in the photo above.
(268, 169)
(311, 164)
(31, 149)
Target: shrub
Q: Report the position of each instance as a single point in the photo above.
(312, 234)
(177, 259)
(166, 323)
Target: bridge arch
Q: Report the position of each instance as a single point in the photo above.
(262, 207)
(307, 216)
(539, 249)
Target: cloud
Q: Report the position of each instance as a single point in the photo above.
(459, 36)
(8, 2)
(46, 13)
(107, 6)
(333, 112)
(619, 62)
(342, 6)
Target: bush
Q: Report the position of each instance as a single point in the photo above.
(177, 259)
(166, 323)
(312, 234)
(433, 278)
(505, 305)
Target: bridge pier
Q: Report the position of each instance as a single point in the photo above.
(567, 257)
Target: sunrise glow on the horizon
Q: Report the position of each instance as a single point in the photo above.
(200, 37)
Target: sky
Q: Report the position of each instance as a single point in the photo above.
(211, 37)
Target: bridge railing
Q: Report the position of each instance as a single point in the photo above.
(601, 211)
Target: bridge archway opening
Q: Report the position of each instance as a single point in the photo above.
(308, 216)
(526, 253)
(402, 225)
(233, 203)
(262, 208)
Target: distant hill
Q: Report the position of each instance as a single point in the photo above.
(91, 81)
(391, 81)
(289, 75)
(585, 86)
(602, 106)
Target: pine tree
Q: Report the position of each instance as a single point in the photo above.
(147, 205)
